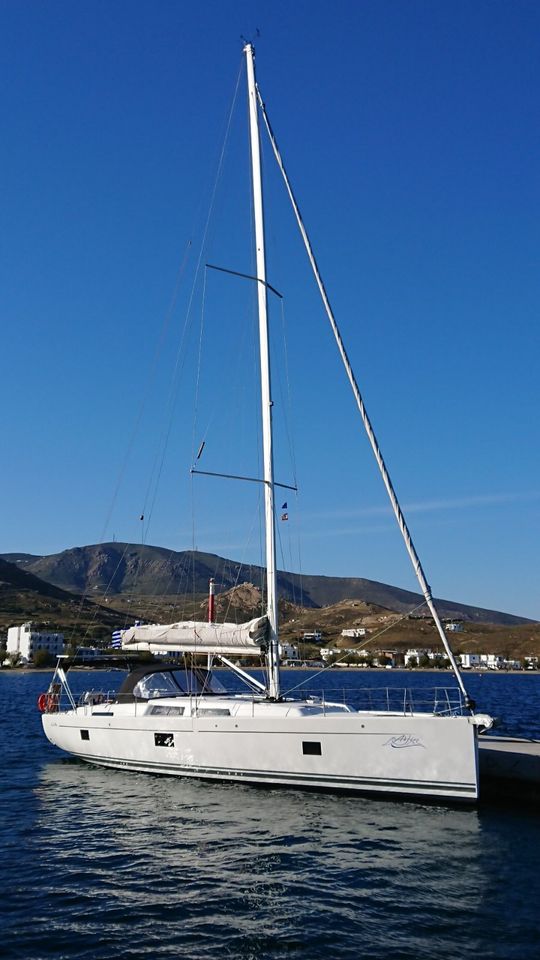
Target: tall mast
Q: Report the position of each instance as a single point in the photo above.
(266, 395)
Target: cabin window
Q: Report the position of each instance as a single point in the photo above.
(311, 748)
(213, 712)
(166, 711)
(164, 739)
(85, 734)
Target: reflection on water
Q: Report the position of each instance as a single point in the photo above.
(198, 869)
(107, 864)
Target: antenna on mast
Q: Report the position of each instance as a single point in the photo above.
(249, 43)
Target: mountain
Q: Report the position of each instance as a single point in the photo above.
(21, 558)
(119, 569)
(25, 596)
(12, 578)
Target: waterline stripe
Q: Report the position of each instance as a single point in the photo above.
(313, 779)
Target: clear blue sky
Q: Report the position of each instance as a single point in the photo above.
(410, 130)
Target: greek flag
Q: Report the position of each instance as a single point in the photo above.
(116, 639)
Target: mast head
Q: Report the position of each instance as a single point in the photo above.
(248, 44)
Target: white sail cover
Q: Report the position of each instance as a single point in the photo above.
(192, 636)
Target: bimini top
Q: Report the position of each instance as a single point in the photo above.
(163, 680)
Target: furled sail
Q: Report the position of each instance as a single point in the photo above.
(191, 636)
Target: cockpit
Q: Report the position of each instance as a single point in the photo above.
(151, 683)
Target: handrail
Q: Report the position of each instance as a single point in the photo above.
(440, 701)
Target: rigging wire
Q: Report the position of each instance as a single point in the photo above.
(216, 183)
(358, 646)
(405, 532)
(286, 402)
(181, 354)
(153, 370)
(95, 611)
(148, 386)
(198, 376)
(197, 273)
(135, 430)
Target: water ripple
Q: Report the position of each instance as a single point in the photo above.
(105, 864)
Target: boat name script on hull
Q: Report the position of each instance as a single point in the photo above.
(404, 740)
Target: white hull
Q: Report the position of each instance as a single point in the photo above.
(420, 755)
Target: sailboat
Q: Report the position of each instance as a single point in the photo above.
(178, 719)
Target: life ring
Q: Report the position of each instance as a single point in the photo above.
(47, 702)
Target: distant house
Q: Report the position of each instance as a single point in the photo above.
(470, 660)
(493, 661)
(488, 661)
(327, 652)
(313, 636)
(27, 639)
(288, 652)
(303, 663)
(88, 653)
(416, 654)
(392, 658)
(354, 632)
(453, 626)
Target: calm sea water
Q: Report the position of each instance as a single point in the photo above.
(105, 864)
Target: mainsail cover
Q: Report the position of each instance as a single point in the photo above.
(192, 636)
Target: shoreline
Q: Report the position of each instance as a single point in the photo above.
(308, 669)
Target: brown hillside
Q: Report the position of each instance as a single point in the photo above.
(24, 596)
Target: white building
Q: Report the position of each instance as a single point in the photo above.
(88, 653)
(493, 661)
(434, 655)
(470, 661)
(288, 652)
(488, 661)
(327, 652)
(26, 640)
(354, 632)
(416, 654)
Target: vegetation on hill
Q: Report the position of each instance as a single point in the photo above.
(385, 628)
(102, 576)
(24, 596)
(119, 570)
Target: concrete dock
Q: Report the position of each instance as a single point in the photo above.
(509, 768)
